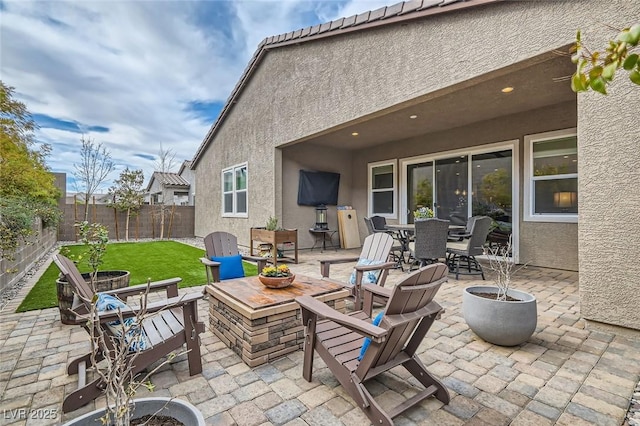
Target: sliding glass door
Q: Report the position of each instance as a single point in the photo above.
(460, 186)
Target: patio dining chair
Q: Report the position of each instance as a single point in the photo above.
(167, 325)
(430, 243)
(357, 351)
(465, 251)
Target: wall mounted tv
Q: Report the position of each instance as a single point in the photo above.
(315, 188)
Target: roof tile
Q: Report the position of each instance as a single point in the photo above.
(337, 24)
(362, 18)
(349, 21)
(393, 10)
(426, 4)
(410, 6)
(377, 14)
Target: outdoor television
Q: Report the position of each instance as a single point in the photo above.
(315, 188)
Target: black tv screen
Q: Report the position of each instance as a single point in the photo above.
(315, 188)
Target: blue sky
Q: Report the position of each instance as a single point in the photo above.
(135, 75)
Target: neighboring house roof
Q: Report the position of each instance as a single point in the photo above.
(168, 179)
(186, 164)
(387, 15)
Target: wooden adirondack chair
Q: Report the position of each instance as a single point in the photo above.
(221, 244)
(171, 323)
(376, 248)
(338, 339)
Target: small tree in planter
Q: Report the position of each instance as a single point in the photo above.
(503, 266)
(499, 314)
(95, 237)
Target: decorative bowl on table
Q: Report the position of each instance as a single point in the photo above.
(276, 277)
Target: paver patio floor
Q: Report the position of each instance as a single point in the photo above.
(569, 373)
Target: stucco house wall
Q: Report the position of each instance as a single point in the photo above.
(304, 89)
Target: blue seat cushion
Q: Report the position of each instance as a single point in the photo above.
(134, 336)
(367, 341)
(368, 277)
(230, 266)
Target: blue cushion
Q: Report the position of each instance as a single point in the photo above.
(368, 277)
(367, 341)
(134, 336)
(230, 266)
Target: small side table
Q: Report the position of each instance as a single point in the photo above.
(322, 235)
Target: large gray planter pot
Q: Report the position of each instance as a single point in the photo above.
(176, 408)
(500, 322)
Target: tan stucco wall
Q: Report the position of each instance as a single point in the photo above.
(609, 203)
(304, 89)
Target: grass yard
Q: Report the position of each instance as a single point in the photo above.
(157, 260)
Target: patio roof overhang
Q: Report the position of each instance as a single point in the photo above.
(537, 82)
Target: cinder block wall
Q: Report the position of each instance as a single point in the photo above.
(179, 222)
(26, 255)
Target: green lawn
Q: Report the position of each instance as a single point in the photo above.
(157, 260)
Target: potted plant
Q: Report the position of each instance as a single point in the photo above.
(95, 237)
(499, 314)
(279, 276)
(116, 370)
(422, 213)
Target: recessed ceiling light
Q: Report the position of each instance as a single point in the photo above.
(413, 117)
(355, 134)
(566, 156)
(457, 161)
(575, 161)
(507, 89)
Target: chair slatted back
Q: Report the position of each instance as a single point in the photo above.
(379, 223)
(220, 244)
(408, 297)
(479, 233)
(369, 224)
(431, 238)
(377, 246)
(74, 277)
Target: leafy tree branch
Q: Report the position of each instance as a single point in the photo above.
(596, 69)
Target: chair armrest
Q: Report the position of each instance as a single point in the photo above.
(170, 285)
(377, 290)
(260, 261)
(209, 262)
(308, 303)
(364, 268)
(326, 264)
(433, 308)
(132, 311)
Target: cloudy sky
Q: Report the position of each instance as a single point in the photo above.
(138, 75)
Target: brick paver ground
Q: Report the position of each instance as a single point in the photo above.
(569, 373)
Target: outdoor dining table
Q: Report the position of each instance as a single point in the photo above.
(406, 230)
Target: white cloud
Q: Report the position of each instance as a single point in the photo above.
(133, 66)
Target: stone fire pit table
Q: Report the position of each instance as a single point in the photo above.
(260, 323)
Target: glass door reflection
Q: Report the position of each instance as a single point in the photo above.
(419, 187)
(451, 189)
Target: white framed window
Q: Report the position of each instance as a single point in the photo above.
(382, 189)
(551, 176)
(234, 191)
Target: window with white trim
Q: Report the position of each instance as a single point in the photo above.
(551, 177)
(234, 191)
(382, 189)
